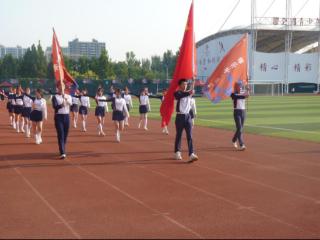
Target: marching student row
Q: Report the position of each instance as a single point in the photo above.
(24, 109)
(28, 112)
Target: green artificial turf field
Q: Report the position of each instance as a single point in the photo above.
(295, 117)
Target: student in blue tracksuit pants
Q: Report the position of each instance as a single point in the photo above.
(183, 119)
(239, 114)
(61, 103)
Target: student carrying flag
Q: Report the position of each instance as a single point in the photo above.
(230, 79)
(62, 101)
(185, 69)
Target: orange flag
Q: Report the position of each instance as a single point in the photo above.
(60, 72)
(232, 69)
(185, 68)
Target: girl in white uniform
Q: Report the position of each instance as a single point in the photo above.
(101, 109)
(74, 109)
(120, 112)
(27, 108)
(10, 106)
(39, 112)
(128, 99)
(18, 110)
(144, 108)
(84, 106)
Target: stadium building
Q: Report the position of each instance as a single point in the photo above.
(283, 54)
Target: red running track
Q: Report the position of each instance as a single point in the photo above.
(134, 189)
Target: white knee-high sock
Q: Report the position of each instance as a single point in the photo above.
(145, 122)
(22, 125)
(17, 126)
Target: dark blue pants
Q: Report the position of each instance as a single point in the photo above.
(239, 118)
(62, 123)
(183, 122)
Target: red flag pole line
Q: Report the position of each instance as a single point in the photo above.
(185, 68)
(61, 74)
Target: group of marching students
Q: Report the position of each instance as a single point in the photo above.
(27, 113)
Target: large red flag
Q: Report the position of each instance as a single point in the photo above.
(232, 69)
(185, 68)
(60, 72)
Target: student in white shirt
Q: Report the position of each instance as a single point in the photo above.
(183, 119)
(27, 108)
(239, 113)
(10, 106)
(83, 110)
(18, 99)
(37, 115)
(144, 108)
(101, 109)
(128, 99)
(74, 109)
(119, 113)
(61, 103)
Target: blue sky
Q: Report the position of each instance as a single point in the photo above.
(146, 27)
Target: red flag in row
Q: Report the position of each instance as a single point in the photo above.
(185, 68)
(60, 72)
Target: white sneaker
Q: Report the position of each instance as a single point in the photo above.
(178, 156)
(22, 130)
(242, 148)
(37, 139)
(118, 137)
(102, 133)
(145, 128)
(14, 125)
(193, 158)
(28, 133)
(235, 144)
(63, 156)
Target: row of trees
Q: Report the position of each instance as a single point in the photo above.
(34, 65)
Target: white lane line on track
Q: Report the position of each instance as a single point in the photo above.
(155, 211)
(52, 208)
(234, 203)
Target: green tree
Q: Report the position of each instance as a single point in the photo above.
(9, 67)
(134, 65)
(28, 66)
(83, 65)
(121, 70)
(41, 62)
(104, 66)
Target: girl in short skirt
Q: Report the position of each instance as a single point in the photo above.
(18, 110)
(38, 114)
(128, 99)
(120, 112)
(74, 109)
(10, 106)
(27, 107)
(101, 109)
(144, 108)
(83, 110)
